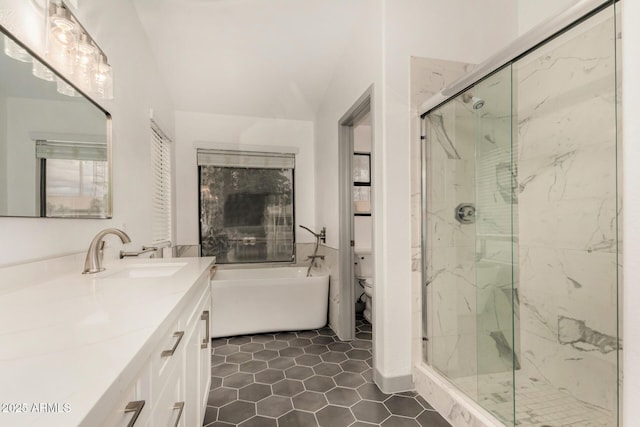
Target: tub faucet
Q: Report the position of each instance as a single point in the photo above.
(93, 262)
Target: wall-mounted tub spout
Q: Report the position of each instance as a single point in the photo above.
(322, 235)
(319, 236)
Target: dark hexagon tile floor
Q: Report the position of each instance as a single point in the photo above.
(306, 378)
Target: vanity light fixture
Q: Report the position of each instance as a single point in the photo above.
(72, 52)
(87, 64)
(103, 79)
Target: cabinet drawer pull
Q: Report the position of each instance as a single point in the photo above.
(135, 407)
(178, 335)
(205, 341)
(212, 271)
(180, 407)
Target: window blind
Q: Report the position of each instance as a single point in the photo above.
(245, 159)
(494, 191)
(161, 186)
(68, 150)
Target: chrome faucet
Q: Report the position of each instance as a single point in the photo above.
(93, 262)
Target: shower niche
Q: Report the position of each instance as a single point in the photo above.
(521, 226)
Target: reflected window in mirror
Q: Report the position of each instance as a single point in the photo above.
(73, 179)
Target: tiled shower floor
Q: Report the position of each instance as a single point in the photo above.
(538, 403)
(308, 378)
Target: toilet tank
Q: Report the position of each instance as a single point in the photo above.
(363, 263)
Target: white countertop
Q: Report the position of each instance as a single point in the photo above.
(72, 339)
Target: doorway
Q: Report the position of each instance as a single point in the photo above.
(356, 201)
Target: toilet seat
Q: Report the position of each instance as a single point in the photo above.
(367, 283)
(368, 288)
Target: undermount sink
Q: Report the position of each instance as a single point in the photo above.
(145, 271)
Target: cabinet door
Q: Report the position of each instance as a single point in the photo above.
(133, 404)
(197, 363)
(205, 355)
(170, 406)
(192, 408)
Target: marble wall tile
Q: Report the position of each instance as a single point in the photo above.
(576, 174)
(429, 76)
(568, 209)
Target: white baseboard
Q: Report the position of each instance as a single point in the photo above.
(393, 384)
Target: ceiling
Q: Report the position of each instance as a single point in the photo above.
(264, 58)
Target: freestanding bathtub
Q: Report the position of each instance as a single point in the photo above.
(255, 300)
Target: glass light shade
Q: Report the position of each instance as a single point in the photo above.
(41, 71)
(85, 63)
(103, 79)
(65, 88)
(15, 51)
(62, 40)
(61, 27)
(85, 52)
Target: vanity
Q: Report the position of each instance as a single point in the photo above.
(127, 346)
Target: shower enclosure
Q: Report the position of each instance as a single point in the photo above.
(521, 232)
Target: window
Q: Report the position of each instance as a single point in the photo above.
(161, 186)
(73, 179)
(246, 206)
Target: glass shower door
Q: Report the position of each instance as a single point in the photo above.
(495, 244)
(469, 234)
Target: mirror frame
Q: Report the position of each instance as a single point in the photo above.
(109, 130)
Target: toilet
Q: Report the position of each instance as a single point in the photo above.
(364, 275)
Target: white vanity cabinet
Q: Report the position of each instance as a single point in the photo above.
(174, 383)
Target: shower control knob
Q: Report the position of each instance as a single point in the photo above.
(465, 213)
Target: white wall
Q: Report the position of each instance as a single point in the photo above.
(212, 130)
(362, 138)
(138, 87)
(359, 68)
(533, 12)
(631, 211)
(433, 29)
(3, 153)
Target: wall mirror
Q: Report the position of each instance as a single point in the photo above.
(55, 147)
